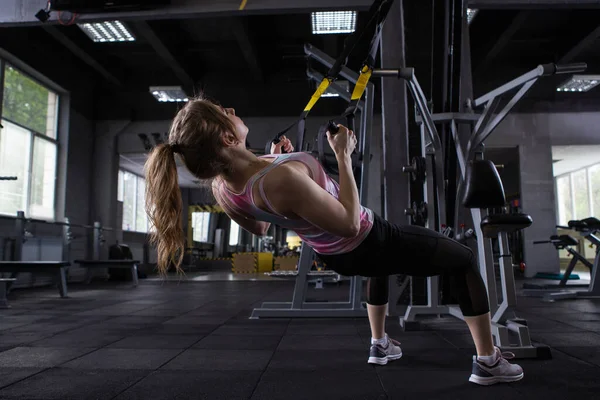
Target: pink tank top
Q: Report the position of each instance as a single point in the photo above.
(322, 242)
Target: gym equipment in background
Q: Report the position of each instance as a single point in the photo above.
(588, 228)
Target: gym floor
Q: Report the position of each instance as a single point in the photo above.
(193, 340)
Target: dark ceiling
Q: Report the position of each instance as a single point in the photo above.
(256, 63)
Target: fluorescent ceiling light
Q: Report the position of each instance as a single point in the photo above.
(171, 94)
(471, 13)
(332, 93)
(108, 31)
(579, 83)
(328, 22)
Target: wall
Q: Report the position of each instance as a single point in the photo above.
(535, 134)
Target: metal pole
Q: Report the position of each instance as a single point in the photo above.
(521, 80)
(19, 236)
(97, 240)
(67, 236)
(395, 121)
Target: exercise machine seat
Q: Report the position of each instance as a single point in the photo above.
(483, 186)
(493, 224)
(577, 225)
(566, 240)
(586, 224)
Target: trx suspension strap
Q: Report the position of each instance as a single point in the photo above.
(367, 68)
(359, 89)
(333, 73)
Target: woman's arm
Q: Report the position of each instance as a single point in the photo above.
(292, 191)
(253, 226)
(295, 192)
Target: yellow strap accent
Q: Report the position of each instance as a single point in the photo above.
(243, 4)
(318, 93)
(361, 84)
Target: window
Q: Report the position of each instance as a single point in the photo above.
(594, 180)
(581, 196)
(564, 199)
(200, 226)
(28, 146)
(132, 192)
(234, 233)
(578, 194)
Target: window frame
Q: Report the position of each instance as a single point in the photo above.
(35, 134)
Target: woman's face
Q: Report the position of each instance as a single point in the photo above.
(240, 127)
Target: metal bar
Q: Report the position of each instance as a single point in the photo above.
(507, 282)
(58, 223)
(459, 152)
(66, 237)
(20, 236)
(134, 274)
(521, 80)
(483, 121)
(365, 151)
(304, 262)
(450, 116)
(62, 282)
(328, 61)
(499, 117)
(436, 142)
(421, 102)
(486, 260)
(19, 13)
(594, 288)
(344, 94)
(97, 239)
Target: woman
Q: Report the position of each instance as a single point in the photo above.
(293, 191)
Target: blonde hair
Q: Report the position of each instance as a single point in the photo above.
(195, 135)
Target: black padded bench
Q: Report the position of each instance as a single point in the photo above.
(125, 264)
(4, 282)
(52, 268)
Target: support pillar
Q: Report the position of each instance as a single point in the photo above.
(106, 177)
(395, 183)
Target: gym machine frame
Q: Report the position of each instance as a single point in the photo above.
(562, 291)
(353, 307)
(502, 313)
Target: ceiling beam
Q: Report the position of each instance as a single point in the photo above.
(536, 4)
(81, 54)
(242, 35)
(164, 53)
(503, 39)
(19, 12)
(580, 47)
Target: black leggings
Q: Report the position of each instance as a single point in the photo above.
(412, 250)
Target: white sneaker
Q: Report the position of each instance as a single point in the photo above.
(500, 371)
(381, 355)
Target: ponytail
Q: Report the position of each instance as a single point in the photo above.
(164, 207)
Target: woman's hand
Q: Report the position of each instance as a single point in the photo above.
(284, 143)
(343, 142)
